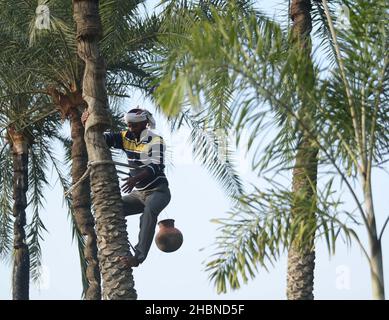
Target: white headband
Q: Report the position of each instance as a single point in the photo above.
(144, 115)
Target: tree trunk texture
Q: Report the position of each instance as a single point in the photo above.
(111, 230)
(21, 263)
(81, 201)
(376, 263)
(301, 260)
(70, 106)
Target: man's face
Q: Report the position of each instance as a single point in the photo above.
(137, 127)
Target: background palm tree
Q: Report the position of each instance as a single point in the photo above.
(361, 73)
(126, 41)
(301, 261)
(36, 64)
(263, 66)
(24, 134)
(219, 97)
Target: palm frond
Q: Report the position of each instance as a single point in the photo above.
(269, 89)
(213, 149)
(35, 229)
(260, 228)
(76, 234)
(321, 29)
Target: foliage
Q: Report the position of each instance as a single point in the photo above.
(250, 59)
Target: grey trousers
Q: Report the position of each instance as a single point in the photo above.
(150, 203)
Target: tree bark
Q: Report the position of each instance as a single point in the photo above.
(81, 201)
(70, 106)
(301, 259)
(110, 222)
(21, 263)
(376, 263)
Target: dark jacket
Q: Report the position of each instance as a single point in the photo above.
(147, 153)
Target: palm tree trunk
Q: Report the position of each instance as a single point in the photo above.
(21, 267)
(70, 106)
(110, 222)
(376, 263)
(301, 258)
(82, 206)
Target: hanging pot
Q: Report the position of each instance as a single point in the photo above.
(168, 238)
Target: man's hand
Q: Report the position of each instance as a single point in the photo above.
(84, 117)
(129, 184)
(131, 181)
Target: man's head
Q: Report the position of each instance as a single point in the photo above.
(134, 122)
(137, 120)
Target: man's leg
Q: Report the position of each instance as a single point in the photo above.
(155, 202)
(132, 204)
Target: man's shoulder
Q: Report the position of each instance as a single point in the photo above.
(153, 135)
(125, 135)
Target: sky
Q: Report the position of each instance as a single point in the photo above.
(196, 199)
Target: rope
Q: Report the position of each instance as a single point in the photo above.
(87, 172)
(131, 246)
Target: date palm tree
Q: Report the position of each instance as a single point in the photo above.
(100, 155)
(123, 39)
(301, 261)
(126, 41)
(34, 69)
(23, 144)
(261, 65)
(300, 284)
(110, 223)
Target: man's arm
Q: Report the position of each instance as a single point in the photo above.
(132, 181)
(155, 160)
(112, 139)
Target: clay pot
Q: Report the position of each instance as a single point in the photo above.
(168, 238)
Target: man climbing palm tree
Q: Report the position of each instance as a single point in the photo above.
(147, 184)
